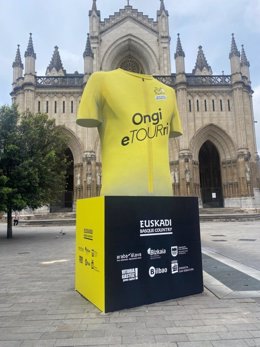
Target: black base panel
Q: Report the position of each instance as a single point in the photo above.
(152, 250)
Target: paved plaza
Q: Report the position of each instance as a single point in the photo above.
(39, 306)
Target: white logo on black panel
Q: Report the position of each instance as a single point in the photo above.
(156, 253)
(129, 256)
(152, 271)
(174, 251)
(156, 227)
(130, 274)
(174, 267)
(157, 271)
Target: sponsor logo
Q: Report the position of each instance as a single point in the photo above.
(159, 94)
(160, 97)
(159, 91)
(130, 274)
(128, 257)
(155, 227)
(183, 250)
(174, 251)
(88, 234)
(174, 267)
(185, 269)
(156, 253)
(156, 271)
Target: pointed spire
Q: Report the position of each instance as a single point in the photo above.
(162, 8)
(234, 51)
(94, 8)
(55, 61)
(201, 63)
(88, 51)
(94, 5)
(244, 61)
(179, 50)
(30, 50)
(18, 61)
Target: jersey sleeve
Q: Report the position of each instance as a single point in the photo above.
(90, 108)
(176, 127)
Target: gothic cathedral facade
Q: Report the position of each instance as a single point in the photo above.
(216, 158)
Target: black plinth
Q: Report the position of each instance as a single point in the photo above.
(152, 250)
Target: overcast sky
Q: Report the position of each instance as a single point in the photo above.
(64, 23)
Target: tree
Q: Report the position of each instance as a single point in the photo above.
(32, 161)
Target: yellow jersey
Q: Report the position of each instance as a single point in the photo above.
(135, 115)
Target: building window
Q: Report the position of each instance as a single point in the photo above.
(63, 107)
(47, 106)
(213, 105)
(129, 63)
(39, 106)
(228, 105)
(71, 107)
(221, 105)
(189, 105)
(198, 105)
(55, 106)
(205, 106)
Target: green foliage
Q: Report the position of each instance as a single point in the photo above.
(32, 160)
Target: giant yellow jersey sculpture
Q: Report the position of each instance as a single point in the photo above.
(135, 115)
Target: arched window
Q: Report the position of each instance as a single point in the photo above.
(198, 105)
(229, 107)
(129, 63)
(190, 109)
(221, 105)
(205, 106)
(213, 105)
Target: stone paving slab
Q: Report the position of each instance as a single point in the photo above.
(231, 277)
(39, 306)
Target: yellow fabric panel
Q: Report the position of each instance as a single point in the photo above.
(135, 115)
(90, 250)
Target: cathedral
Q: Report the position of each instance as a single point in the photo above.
(216, 158)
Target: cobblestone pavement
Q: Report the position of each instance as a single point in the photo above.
(39, 306)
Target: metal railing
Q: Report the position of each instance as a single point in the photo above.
(59, 81)
(170, 80)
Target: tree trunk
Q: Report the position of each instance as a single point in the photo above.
(9, 224)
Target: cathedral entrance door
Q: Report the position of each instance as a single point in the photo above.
(210, 176)
(65, 202)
